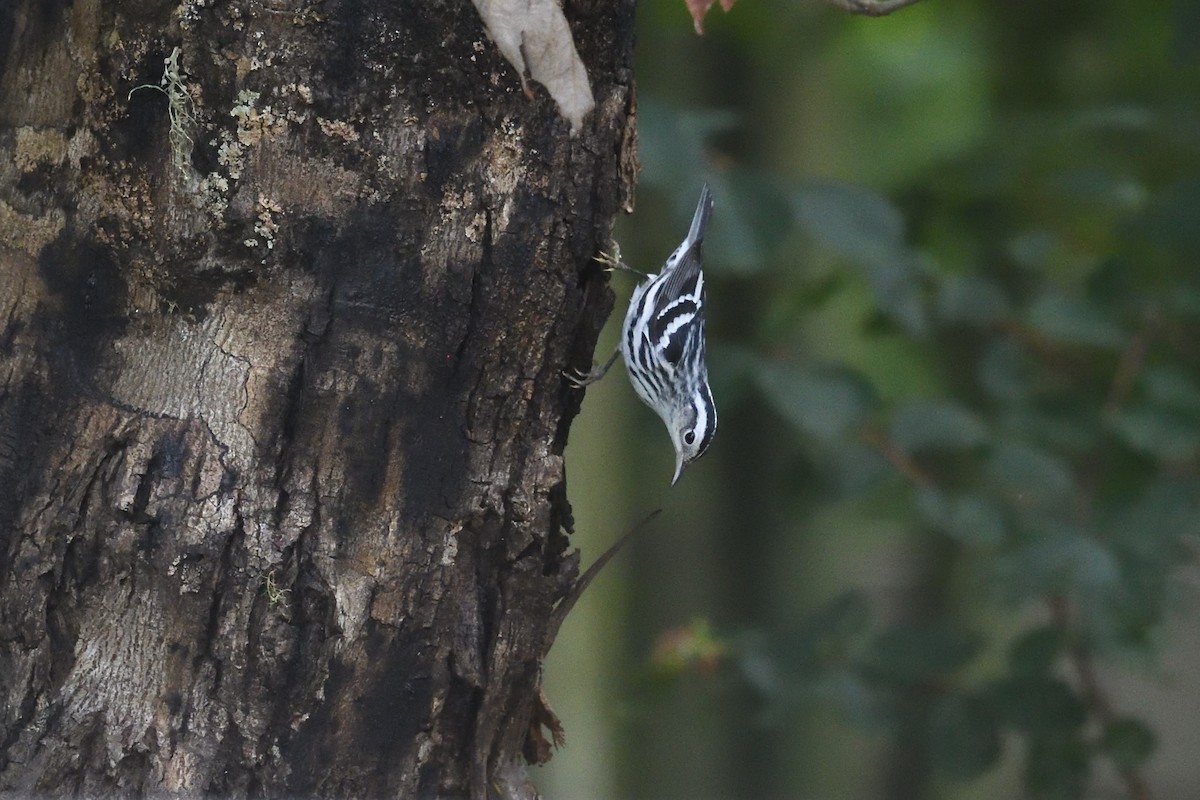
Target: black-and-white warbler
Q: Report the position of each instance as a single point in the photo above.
(662, 342)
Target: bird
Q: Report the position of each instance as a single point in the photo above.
(663, 345)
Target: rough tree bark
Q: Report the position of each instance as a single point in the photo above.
(281, 407)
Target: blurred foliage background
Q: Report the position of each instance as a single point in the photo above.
(945, 542)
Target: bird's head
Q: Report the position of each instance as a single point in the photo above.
(691, 425)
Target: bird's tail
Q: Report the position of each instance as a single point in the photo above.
(700, 220)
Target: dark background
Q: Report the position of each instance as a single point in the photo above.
(944, 544)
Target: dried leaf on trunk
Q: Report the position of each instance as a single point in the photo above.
(534, 36)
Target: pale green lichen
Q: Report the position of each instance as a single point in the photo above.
(179, 107)
(254, 123)
(275, 594)
(230, 155)
(212, 193)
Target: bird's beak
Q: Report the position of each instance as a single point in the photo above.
(678, 467)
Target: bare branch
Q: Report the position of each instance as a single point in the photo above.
(872, 8)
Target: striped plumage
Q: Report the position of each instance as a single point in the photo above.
(662, 344)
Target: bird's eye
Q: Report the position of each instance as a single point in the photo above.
(690, 437)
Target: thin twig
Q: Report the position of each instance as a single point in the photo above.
(585, 580)
(1094, 697)
(1132, 359)
(899, 459)
(1129, 366)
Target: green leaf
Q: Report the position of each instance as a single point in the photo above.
(1057, 767)
(1061, 560)
(858, 700)
(897, 288)
(1159, 434)
(868, 230)
(1072, 320)
(752, 218)
(964, 737)
(1055, 427)
(967, 517)
(1124, 117)
(1170, 220)
(972, 300)
(1171, 388)
(1128, 742)
(1037, 704)
(1184, 302)
(853, 221)
(731, 371)
(1006, 371)
(1103, 188)
(910, 654)
(825, 403)
(857, 467)
(1037, 651)
(1033, 249)
(1150, 526)
(841, 617)
(1186, 25)
(1032, 477)
(824, 638)
(671, 142)
(936, 425)
(760, 672)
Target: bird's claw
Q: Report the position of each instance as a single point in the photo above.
(579, 378)
(611, 260)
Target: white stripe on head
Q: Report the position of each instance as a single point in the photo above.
(701, 422)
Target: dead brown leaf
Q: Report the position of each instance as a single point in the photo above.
(534, 36)
(698, 8)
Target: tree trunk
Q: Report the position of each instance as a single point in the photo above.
(281, 407)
